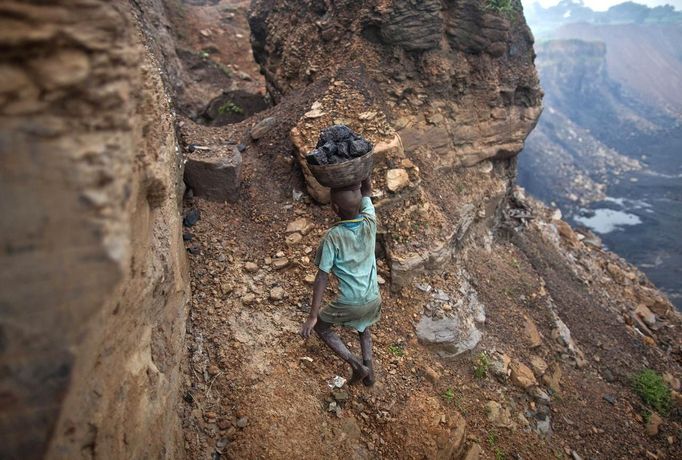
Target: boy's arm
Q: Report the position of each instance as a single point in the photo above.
(366, 186)
(318, 289)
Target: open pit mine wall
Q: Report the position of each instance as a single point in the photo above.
(93, 279)
(456, 77)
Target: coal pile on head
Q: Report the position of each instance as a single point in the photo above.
(337, 144)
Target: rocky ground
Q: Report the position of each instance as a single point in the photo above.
(520, 343)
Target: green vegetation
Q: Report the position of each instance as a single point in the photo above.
(653, 390)
(397, 349)
(448, 395)
(503, 7)
(492, 440)
(224, 69)
(481, 365)
(230, 107)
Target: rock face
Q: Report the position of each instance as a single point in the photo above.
(452, 62)
(437, 87)
(94, 275)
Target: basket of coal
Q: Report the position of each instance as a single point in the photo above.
(341, 157)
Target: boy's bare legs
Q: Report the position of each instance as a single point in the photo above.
(366, 346)
(334, 342)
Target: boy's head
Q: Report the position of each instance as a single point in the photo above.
(346, 202)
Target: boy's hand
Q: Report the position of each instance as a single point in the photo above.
(308, 327)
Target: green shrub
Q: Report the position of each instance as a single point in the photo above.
(653, 390)
(448, 395)
(397, 350)
(481, 365)
(230, 107)
(505, 7)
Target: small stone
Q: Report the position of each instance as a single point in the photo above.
(431, 375)
(250, 267)
(381, 280)
(397, 179)
(248, 299)
(653, 424)
(575, 455)
(540, 395)
(497, 415)
(224, 423)
(280, 263)
(610, 399)
(341, 395)
(552, 378)
(315, 113)
(499, 366)
(646, 315)
(261, 128)
(279, 254)
(532, 333)
(300, 225)
(242, 422)
(544, 426)
(191, 218)
(521, 375)
(213, 370)
(277, 293)
(293, 238)
(309, 278)
(538, 364)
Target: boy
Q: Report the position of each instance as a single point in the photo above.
(347, 250)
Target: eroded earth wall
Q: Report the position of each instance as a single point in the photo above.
(93, 279)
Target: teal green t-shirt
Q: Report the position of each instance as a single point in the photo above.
(347, 250)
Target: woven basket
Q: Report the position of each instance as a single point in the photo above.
(344, 174)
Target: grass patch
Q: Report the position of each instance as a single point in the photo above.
(499, 454)
(230, 107)
(448, 395)
(481, 365)
(397, 350)
(504, 7)
(492, 438)
(653, 390)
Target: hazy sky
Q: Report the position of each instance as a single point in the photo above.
(603, 5)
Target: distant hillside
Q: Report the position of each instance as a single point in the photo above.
(543, 20)
(644, 52)
(645, 58)
(608, 157)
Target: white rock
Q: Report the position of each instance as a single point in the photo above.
(397, 179)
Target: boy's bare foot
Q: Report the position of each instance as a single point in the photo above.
(360, 373)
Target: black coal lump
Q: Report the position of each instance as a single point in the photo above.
(337, 144)
(317, 157)
(336, 133)
(359, 147)
(342, 150)
(329, 149)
